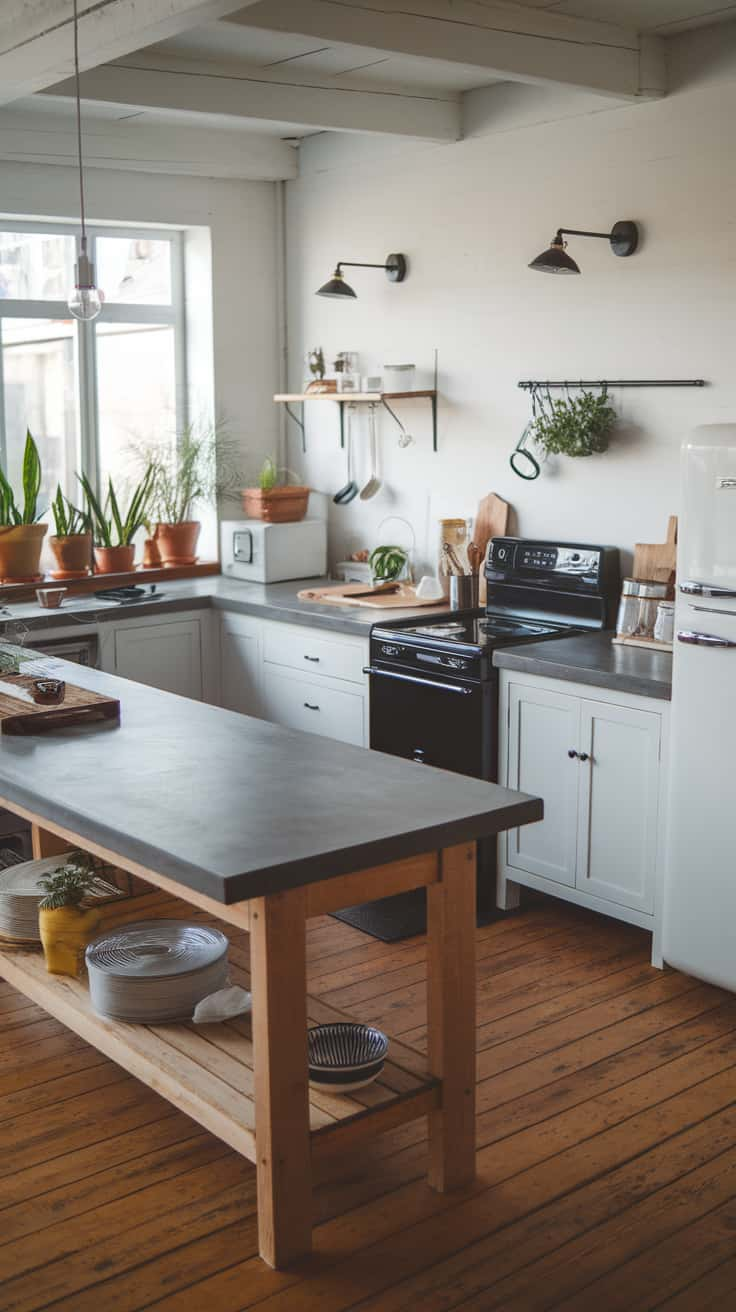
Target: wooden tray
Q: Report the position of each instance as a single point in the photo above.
(361, 594)
(650, 644)
(80, 706)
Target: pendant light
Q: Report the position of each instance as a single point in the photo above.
(394, 266)
(623, 240)
(85, 301)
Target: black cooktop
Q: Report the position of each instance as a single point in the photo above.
(475, 631)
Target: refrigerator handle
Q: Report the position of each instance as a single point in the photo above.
(703, 639)
(705, 590)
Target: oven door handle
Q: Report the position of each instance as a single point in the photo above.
(423, 683)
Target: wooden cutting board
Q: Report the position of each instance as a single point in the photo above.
(657, 560)
(20, 715)
(491, 521)
(352, 594)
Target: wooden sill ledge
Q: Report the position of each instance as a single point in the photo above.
(10, 592)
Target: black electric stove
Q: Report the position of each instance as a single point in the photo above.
(433, 685)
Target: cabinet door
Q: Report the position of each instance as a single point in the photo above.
(314, 704)
(166, 656)
(240, 664)
(617, 834)
(543, 728)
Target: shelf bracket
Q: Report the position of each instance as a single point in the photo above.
(300, 424)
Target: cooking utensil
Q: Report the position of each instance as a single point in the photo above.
(521, 459)
(463, 591)
(374, 482)
(475, 555)
(349, 492)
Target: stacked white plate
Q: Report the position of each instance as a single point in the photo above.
(21, 892)
(155, 971)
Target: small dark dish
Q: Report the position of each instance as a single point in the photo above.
(345, 1055)
(48, 692)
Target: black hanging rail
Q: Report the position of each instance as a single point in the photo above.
(530, 384)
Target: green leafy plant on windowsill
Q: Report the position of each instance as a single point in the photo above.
(69, 520)
(11, 515)
(576, 426)
(21, 535)
(112, 526)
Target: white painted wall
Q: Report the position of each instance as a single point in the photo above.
(232, 257)
(470, 216)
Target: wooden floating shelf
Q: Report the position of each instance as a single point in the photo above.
(359, 398)
(345, 397)
(207, 1070)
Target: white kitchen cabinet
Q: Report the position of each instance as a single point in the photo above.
(314, 704)
(596, 759)
(166, 655)
(241, 660)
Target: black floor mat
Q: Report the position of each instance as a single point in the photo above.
(401, 916)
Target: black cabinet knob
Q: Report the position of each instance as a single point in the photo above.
(584, 756)
(572, 754)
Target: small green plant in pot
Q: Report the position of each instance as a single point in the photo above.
(21, 536)
(576, 426)
(72, 542)
(65, 924)
(274, 500)
(114, 529)
(387, 563)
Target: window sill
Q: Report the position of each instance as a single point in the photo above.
(96, 582)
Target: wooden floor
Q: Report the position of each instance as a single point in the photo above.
(606, 1133)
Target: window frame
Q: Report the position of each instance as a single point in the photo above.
(124, 312)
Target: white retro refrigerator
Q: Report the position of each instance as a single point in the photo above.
(699, 922)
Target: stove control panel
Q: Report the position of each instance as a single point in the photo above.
(514, 556)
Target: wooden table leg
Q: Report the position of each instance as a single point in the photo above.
(45, 844)
(278, 975)
(451, 1017)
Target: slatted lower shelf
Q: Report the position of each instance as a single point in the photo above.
(207, 1070)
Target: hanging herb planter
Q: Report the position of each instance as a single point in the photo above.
(576, 426)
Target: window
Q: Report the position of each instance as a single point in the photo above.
(91, 393)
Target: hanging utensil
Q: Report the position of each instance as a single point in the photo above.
(348, 493)
(521, 459)
(374, 482)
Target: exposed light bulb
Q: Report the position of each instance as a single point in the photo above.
(85, 301)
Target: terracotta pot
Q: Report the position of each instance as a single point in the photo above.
(65, 933)
(114, 560)
(151, 554)
(282, 505)
(73, 556)
(20, 553)
(177, 543)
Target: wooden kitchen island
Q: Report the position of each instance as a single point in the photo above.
(256, 828)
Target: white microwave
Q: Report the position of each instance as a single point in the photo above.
(269, 553)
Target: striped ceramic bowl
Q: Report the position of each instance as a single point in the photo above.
(345, 1055)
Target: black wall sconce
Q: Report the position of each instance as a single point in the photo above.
(394, 267)
(623, 239)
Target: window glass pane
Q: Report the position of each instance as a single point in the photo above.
(134, 269)
(39, 390)
(36, 266)
(136, 388)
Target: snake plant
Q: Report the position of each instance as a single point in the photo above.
(112, 527)
(69, 520)
(10, 514)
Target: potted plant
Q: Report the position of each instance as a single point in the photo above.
(65, 924)
(387, 563)
(72, 542)
(576, 426)
(198, 468)
(114, 530)
(272, 501)
(21, 536)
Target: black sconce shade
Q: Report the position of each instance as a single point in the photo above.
(623, 240)
(394, 267)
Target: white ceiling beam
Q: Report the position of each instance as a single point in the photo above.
(506, 40)
(147, 148)
(236, 92)
(36, 36)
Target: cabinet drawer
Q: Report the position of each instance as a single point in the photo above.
(313, 704)
(301, 649)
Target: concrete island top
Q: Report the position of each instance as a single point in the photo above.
(236, 807)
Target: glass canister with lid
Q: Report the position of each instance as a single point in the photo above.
(637, 611)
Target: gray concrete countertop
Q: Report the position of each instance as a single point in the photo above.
(236, 807)
(274, 601)
(591, 658)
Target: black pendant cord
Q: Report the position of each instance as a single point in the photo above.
(79, 129)
(532, 385)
